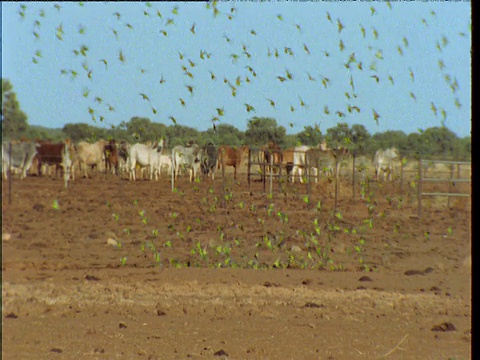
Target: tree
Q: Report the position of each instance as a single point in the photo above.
(260, 131)
(361, 139)
(142, 129)
(340, 136)
(440, 140)
(225, 134)
(80, 131)
(310, 136)
(14, 120)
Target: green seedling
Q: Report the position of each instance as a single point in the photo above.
(338, 215)
(319, 205)
(449, 230)
(306, 199)
(135, 202)
(173, 215)
(107, 203)
(115, 217)
(155, 232)
(55, 205)
(241, 205)
(168, 244)
(210, 190)
(189, 228)
(126, 231)
(396, 227)
(123, 261)
(270, 209)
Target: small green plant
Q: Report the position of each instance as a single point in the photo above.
(123, 261)
(55, 205)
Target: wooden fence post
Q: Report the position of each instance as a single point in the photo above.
(419, 188)
(354, 177)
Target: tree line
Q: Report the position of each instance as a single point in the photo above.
(438, 142)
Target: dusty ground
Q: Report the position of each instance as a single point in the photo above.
(112, 269)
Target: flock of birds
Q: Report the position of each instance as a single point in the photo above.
(189, 66)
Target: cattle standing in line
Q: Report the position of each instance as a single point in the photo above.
(228, 156)
(299, 161)
(90, 154)
(186, 156)
(208, 159)
(145, 156)
(58, 154)
(21, 156)
(272, 154)
(110, 153)
(383, 161)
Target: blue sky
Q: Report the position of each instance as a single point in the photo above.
(437, 35)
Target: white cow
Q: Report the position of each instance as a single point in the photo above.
(164, 161)
(186, 156)
(299, 161)
(145, 156)
(383, 161)
(90, 154)
(21, 156)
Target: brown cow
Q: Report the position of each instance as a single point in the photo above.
(59, 154)
(273, 155)
(228, 156)
(110, 154)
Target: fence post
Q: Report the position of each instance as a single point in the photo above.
(450, 185)
(419, 188)
(173, 170)
(9, 173)
(271, 174)
(249, 166)
(401, 175)
(353, 177)
(336, 183)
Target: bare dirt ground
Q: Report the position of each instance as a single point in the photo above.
(112, 269)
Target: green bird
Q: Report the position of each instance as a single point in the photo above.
(405, 41)
(433, 108)
(120, 56)
(220, 111)
(362, 29)
(249, 107)
(412, 95)
(164, 33)
(189, 88)
(400, 51)
(376, 115)
(375, 33)
(145, 97)
(341, 45)
(329, 18)
(272, 103)
(173, 119)
(162, 80)
(340, 114)
(192, 29)
(340, 26)
(390, 78)
(182, 101)
(325, 110)
(292, 109)
(306, 49)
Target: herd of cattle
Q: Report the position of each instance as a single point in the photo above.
(121, 158)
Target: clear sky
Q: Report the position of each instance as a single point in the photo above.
(412, 64)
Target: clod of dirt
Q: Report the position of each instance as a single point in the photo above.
(434, 288)
(122, 325)
(307, 282)
(361, 288)
(112, 242)
(91, 278)
(220, 352)
(296, 249)
(6, 236)
(38, 207)
(99, 351)
(56, 350)
(446, 326)
(11, 316)
(160, 312)
(312, 305)
(413, 272)
(365, 278)
(269, 284)
(428, 270)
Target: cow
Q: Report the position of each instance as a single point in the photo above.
(122, 152)
(145, 156)
(383, 161)
(272, 154)
(21, 156)
(90, 155)
(325, 160)
(208, 159)
(188, 157)
(299, 161)
(228, 156)
(59, 154)
(164, 161)
(110, 153)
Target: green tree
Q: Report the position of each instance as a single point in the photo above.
(311, 136)
(180, 135)
(225, 134)
(141, 129)
(260, 131)
(440, 140)
(340, 136)
(80, 132)
(14, 120)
